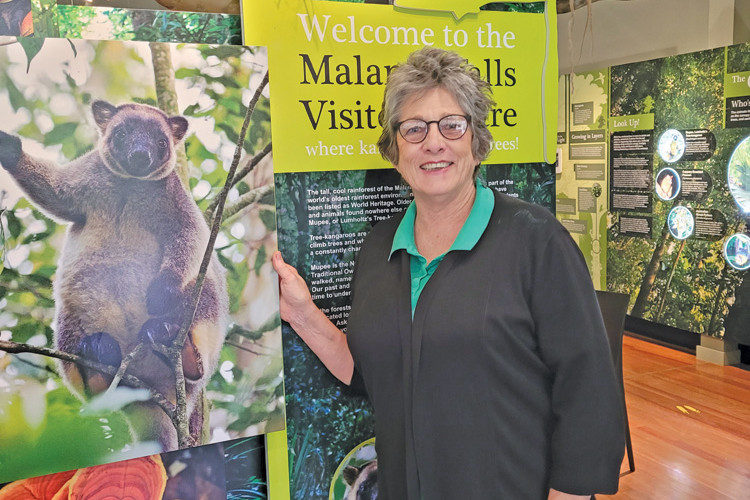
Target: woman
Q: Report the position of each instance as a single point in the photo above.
(474, 324)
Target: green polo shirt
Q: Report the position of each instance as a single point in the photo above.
(470, 232)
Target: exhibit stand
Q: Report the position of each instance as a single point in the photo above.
(652, 185)
(266, 145)
(331, 59)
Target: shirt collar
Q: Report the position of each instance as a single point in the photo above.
(470, 232)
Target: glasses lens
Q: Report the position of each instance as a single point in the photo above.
(453, 126)
(413, 130)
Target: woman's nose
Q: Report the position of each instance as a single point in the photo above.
(434, 139)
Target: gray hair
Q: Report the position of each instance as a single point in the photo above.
(424, 70)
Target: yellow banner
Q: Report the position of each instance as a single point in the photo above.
(329, 61)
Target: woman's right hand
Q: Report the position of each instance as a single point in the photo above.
(297, 308)
(295, 302)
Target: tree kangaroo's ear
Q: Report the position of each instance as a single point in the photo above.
(179, 126)
(103, 113)
(350, 474)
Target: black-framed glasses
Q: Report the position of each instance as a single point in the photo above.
(451, 127)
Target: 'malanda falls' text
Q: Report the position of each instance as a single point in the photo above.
(353, 70)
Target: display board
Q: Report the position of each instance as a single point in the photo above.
(678, 233)
(231, 470)
(86, 263)
(582, 184)
(116, 23)
(144, 20)
(330, 61)
(214, 6)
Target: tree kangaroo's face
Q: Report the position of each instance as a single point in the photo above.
(140, 147)
(138, 141)
(362, 481)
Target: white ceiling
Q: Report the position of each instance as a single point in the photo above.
(637, 30)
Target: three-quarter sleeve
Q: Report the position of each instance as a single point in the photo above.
(588, 440)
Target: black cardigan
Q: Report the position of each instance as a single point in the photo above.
(502, 386)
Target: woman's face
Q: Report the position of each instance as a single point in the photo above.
(437, 168)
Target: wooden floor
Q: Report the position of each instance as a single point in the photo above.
(690, 426)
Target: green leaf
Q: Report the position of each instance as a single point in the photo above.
(114, 400)
(229, 83)
(46, 270)
(14, 95)
(14, 224)
(39, 236)
(69, 79)
(73, 47)
(272, 323)
(190, 110)
(31, 46)
(268, 217)
(40, 280)
(2, 238)
(60, 133)
(231, 133)
(146, 100)
(186, 73)
(224, 52)
(260, 259)
(26, 329)
(66, 440)
(227, 263)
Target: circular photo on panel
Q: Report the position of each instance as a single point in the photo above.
(738, 174)
(737, 251)
(357, 475)
(671, 145)
(667, 184)
(681, 222)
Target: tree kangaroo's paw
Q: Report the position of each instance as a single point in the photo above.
(163, 331)
(192, 362)
(159, 331)
(100, 347)
(10, 151)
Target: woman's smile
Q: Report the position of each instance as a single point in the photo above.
(439, 165)
(437, 169)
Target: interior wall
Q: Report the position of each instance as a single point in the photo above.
(741, 21)
(621, 32)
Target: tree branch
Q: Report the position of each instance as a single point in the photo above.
(249, 166)
(17, 348)
(252, 163)
(183, 428)
(45, 368)
(124, 365)
(246, 200)
(245, 348)
(166, 95)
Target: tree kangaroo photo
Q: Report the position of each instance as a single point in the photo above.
(138, 312)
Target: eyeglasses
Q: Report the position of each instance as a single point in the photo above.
(451, 127)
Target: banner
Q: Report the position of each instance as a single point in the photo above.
(330, 61)
(328, 64)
